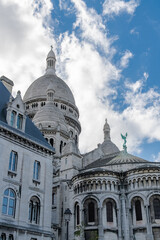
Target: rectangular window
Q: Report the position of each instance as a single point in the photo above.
(13, 161)
(36, 171)
(19, 121)
(13, 117)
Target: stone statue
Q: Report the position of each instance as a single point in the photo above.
(125, 141)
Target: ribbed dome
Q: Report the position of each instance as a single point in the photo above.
(50, 117)
(124, 157)
(38, 88)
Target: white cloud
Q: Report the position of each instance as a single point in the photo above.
(88, 73)
(116, 7)
(24, 46)
(125, 59)
(156, 158)
(146, 75)
(24, 40)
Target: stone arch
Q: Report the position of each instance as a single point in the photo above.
(90, 211)
(137, 210)
(136, 194)
(109, 212)
(112, 196)
(154, 204)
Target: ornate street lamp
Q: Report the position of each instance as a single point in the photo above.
(67, 216)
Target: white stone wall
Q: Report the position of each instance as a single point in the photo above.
(22, 183)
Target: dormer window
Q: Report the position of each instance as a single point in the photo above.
(19, 121)
(13, 118)
(16, 116)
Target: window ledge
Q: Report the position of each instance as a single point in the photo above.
(12, 173)
(54, 206)
(33, 224)
(36, 182)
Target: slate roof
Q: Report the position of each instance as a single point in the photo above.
(31, 131)
(102, 161)
(114, 159)
(125, 157)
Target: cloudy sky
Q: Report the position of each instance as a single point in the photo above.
(108, 52)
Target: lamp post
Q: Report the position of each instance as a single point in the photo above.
(67, 216)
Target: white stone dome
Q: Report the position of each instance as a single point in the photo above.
(50, 117)
(38, 88)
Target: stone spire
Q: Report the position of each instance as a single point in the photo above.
(51, 61)
(106, 130)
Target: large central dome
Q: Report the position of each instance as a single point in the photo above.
(38, 89)
(57, 116)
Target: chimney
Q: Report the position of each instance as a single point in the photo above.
(7, 83)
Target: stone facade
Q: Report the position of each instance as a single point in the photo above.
(111, 194)
(26, 175)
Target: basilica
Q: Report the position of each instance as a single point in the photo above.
(50, 191)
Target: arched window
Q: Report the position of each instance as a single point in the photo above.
(138, 210)
(53, 198)
(91, 212)
(13, 161)
(77, 214)
(34, 210)
(9, 202)
(51, 142)
(109, 209)
(156, 206)
(3, 236)
(76, 139)
(61, 146)
(11, 237)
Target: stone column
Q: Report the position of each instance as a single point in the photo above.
(25, 235)
(82, 221)
(131, 223)
(100, 224)
(16, 234)
(125, 225)
(119, 224)
(148, 222)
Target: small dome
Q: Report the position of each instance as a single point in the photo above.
(51, 54)
(50, 117)
(108, 147)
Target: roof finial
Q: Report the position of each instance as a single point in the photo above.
(51, 61)
(106, 130)
(125, 141)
